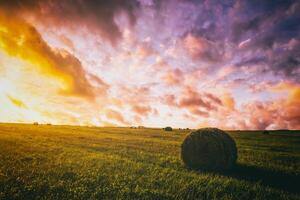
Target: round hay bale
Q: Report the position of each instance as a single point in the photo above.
(168, 128)
(209, 149)
(265, 132)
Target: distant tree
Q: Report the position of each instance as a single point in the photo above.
(35, 123)
(168, 128)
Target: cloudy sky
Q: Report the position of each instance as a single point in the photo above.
(233, 64)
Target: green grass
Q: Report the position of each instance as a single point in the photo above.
(68, 162)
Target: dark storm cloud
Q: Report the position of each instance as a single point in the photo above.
(254, 32)
(266, 6)
(269, 27)
(267, 21)
(290, 65)
(287, 62)
(252, 61)
(279, 33)
(239, 28)
(213, 19)
(96, 15)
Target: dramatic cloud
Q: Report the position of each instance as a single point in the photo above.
(273, 28)
(183, 63)
(96, 15)
(19, 39)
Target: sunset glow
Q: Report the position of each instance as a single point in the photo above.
(227, 64)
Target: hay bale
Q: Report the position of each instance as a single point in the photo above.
(209, 149)
(168, 128)
(265, 132)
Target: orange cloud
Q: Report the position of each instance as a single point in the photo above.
(115, 115)
(173, 77)
(196, 46)
(228, 101)
(144, 50)
(276, 114)
(20, 39)
(260, 87)
(66, 41)
(192, 99)
(201, 48)
(132, 96)
(290, 87)
(225, 71)
(201, 104)
(142, 110)
(291, 105)
(170, 100)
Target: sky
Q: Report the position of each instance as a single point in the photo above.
(232, 64)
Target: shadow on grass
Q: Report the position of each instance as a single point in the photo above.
(279, 180)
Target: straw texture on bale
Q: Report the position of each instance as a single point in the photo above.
(265, 132)
(209, 149)
(168, 128)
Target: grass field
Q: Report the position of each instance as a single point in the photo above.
(68, 162)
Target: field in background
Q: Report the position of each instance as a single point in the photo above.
(68, 162)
